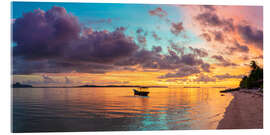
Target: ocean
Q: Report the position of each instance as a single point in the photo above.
(116, 109)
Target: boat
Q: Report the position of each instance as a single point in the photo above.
(142, 91)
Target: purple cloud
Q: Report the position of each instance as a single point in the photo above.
(199, 52)
(207, 37)
(48, 80)
(238, 48)
(228, 76)
(101, 47)
(222, 61)
(218, 36)
(157, 49)
(176, 47)
(208, 7)
(51, 42)
(141, 39)
(155, 36)
(211, 19)
(191, 59)
(158, 12)
(182, 72)
(204, 78)
(251, 35)
(40, 33)
(55, 42)
(177, 28)
(205, 67)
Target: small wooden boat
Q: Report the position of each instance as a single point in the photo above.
(142, 91)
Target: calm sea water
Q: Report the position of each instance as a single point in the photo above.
(116, 109)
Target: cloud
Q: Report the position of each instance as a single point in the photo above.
(151, 59)
(205, 67)
(191, 59)
(101, 47)
(86, 32)
(139, 30)
(45, 46)
(48, 80)
(68, 81)
(95, 54)
(121, 29)
(182, 72)
(177, 28)
(141, 39)
(199, 52)
(157, 49)
(105, 82)
(31, 82)
(158, 12)
(207, 37)
(178, 80)
(208, 7)
(204, 78)
(211, 19)
(20, 66)
(251, 35)
(218, 36)
(155, 36)
(141, 36)
(228, 76)
(176, 47)
(41, 33)
(54, 41)
(154, 60)
(258, 57)
(238, 48)
(222, 61)
(173, 60)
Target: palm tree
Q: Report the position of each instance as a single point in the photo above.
(253, 65)
(255, 77)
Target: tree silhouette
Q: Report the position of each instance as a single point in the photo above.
(253, 65)
(255, 77)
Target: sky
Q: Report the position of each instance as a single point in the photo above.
(67, 44)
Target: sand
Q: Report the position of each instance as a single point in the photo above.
(244, 112)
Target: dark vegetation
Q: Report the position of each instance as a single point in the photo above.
(230, 90)
(254, 79)
(19, 85)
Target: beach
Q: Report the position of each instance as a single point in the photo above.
(244, 112)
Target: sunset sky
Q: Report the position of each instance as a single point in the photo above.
(67, 44)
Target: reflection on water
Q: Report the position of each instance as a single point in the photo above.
(110, 109)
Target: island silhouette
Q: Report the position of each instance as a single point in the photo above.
(19, 85)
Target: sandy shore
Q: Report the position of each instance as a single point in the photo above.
(244, 112)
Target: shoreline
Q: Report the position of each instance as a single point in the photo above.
(245, 111)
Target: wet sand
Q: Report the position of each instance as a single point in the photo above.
(244, 112)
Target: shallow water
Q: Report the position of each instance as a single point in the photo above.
(110, 109)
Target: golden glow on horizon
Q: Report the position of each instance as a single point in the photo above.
(133, 78)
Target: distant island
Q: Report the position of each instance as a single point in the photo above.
(19, 85)
(121, 86)
(191, 87)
